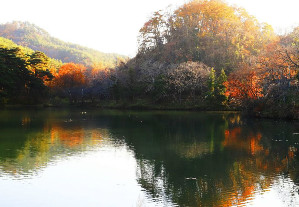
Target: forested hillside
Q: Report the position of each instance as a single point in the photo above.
(30, 35)
(209, 54)
(8, 44)
(204, 55)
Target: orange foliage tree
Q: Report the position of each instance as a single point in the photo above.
(70, 75)
(70, 81)
(269, 75)
(244, 85)
(274, 64)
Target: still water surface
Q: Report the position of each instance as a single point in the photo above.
(92, 158)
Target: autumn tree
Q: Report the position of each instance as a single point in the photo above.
(243, 86)
(209, 31)
(277, 66)
(152, 34)
(70, 81)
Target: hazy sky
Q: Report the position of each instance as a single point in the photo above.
(113, 25)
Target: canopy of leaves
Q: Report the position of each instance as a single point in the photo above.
(70, 75)
(17, 82)
(208, 31)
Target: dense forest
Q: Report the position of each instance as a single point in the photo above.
(204, 55)
(34, 37)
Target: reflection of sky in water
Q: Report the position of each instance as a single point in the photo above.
(282, 192)
(102, 177)
(71, 167)
(117, 160)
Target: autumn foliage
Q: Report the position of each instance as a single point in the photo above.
(204, 54)
(244, 85)
(70, 75)
(212, 32)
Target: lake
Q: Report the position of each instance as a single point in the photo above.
(80, 157)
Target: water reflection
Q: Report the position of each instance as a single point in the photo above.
(31, 144)
(211, 159)
(181, 158)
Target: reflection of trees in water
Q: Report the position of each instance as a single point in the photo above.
(187, 158)
(44, 141)
(154, 181)
(220, 162)
(69, 137)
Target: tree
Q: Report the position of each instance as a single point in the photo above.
(243, 86)
(187, 80)
(208, 31)
(17, 82)
(13, 73)
(152, 33)
(70, 81)
(216, 94)
(220, 90)
(99, 83)
(39, 64)
(211, 86)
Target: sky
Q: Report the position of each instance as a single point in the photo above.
(112, 25)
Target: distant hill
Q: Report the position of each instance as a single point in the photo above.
(9, 44)
(36, 38)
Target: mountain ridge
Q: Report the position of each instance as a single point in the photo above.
(30, 35)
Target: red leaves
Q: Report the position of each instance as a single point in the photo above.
(70, 75)
(242, 85)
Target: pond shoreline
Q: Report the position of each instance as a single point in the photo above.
(258, 115)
